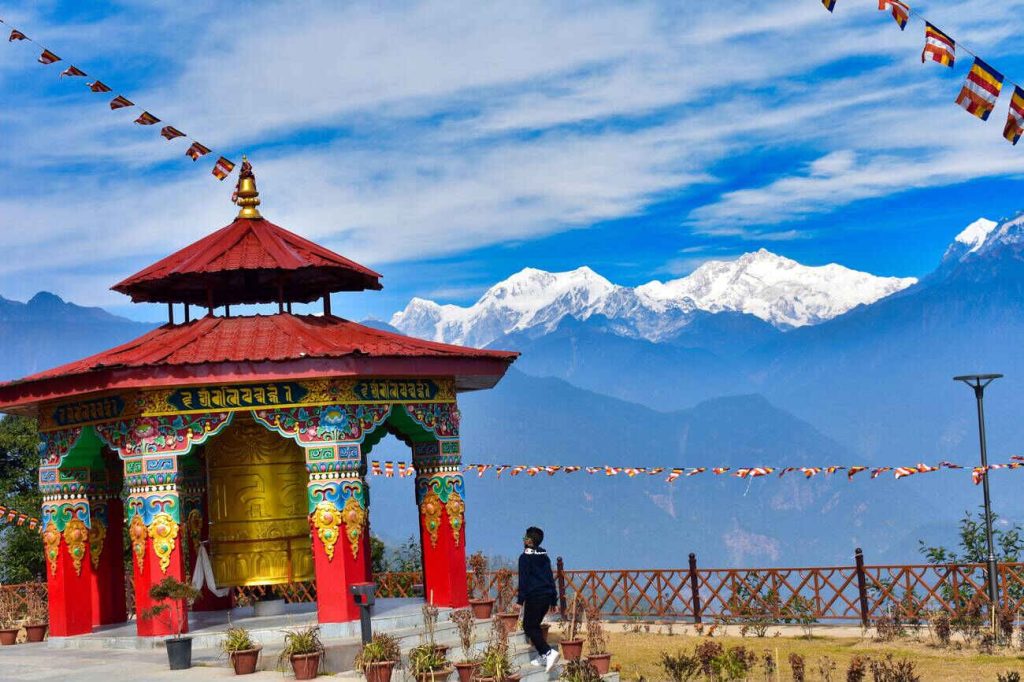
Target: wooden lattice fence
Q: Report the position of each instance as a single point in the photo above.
(824, 594)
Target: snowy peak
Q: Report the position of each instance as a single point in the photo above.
(775, 289)
(975, 234)
(530, 298)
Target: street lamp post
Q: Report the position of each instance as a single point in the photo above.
(978, 382)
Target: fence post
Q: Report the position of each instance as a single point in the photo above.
(560, 573)
(694, 588)
(862, 587)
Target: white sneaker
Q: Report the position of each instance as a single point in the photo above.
(536, 663)
(550, 659)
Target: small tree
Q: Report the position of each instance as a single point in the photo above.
(596, 641)
(506, 592)
(478, 565)
(172, 595)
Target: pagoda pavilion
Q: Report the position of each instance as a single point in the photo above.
(244, 437)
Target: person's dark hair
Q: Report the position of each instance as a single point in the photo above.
(536, 535)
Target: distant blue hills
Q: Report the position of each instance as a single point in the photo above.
(870, 387)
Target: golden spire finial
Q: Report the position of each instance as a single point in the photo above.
(246, 195)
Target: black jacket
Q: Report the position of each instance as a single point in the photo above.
(535, 577)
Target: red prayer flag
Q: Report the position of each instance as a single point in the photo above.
(48, 57)
(72, 71)
(196, 150)
(938, 46)
(17, 35)
(170, 132)
(146, 119)
(120, 102)
(97, 86)
(222, 168)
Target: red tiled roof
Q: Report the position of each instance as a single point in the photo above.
(247, 262)
(258, 348)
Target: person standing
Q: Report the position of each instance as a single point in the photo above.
(537, 594)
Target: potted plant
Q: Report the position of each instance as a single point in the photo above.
(427, 664)
(242, 651)
(430, 615)
(495, 662)
(597, 645)
(378, 657)
(305, 651)
(508, 610)
(172, 595)
(8, 617)
(482, 605)
(579, 671)
(37, 616)
(572, 645)
(465, 623)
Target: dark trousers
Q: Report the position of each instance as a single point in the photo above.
(534, 609)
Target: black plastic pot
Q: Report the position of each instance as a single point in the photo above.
(179, 653)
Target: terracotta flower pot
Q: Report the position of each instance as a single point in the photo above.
(8, 637)
(35, 633)
(482, 608)
(572, 649)
(379, 672)
(466, 670)
(601, 662)
(442, 649)
(244, 662)
(305, 666)
(510, 621)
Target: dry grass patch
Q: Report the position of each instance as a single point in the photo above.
(639, 654)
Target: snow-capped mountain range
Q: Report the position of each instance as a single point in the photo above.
(775, 289)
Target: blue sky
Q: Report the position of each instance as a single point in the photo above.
(449, 144)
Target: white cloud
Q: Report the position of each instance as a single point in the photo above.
(398, 131)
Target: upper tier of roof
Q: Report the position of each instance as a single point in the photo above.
(258, 348)
(251, 260)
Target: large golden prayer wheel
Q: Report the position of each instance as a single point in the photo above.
(259, 533)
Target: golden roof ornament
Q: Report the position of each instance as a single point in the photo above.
(246, 195)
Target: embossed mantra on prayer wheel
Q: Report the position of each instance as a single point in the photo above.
(259, 532)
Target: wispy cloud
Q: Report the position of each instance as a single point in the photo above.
(399, 132)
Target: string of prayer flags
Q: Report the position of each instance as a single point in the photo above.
(900, 11)
(981, 90)
(16, 517)
(389, 469)
(221, 169)
(938, 46)
(1015, 117)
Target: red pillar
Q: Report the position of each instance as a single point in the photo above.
(338, 499)
(108, 579)
(69, 582)
(148, 574)
(443, 537)
(335, 603)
